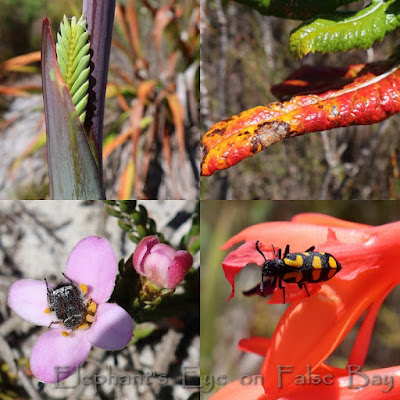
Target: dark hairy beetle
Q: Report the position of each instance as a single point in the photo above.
(68, 302)
(300, 268)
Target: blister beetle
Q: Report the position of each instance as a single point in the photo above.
(301, 268)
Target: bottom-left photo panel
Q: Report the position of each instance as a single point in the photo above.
(99, 300)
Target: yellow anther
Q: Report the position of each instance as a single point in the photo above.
(47, 310)
(83, 326)
(92, 307)
(83, 287)
(64, 333)
(89, 318)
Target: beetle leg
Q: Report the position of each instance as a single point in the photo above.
(54, 322)
(262, 283)
(283, 289)
(305, 287)
(286, 250)
(310, 249)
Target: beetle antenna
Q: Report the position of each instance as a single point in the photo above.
(47, 286)
(66, 277)
(258, 249)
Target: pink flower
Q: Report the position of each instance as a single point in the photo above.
(91, 268)
(160, 263)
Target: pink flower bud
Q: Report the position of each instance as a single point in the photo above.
(160, 263)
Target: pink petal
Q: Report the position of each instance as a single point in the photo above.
(156, 268)
(142, 250)
(112, 328)
(92, 262)
(178, 269)
(162, 248)
(28, 298)
(55, 357)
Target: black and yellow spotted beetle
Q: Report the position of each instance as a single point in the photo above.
(301, 268)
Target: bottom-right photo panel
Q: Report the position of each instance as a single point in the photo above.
(299, 300)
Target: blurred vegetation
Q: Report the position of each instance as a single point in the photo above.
(243, 55)
(23, 16)
(224, 323)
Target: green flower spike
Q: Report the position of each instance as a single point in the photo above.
(73, 58)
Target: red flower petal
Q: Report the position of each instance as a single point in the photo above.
(311, 329)
(239, 258)
(349, 387)
(237, 390)
(299, 236)
(256, 344)
(326, 220)
(361, 344)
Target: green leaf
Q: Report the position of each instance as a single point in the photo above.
(295, 9)
(142, 333)
(343, 31)
(73, 58)
(73, 162)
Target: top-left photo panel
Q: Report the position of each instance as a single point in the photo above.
(99, 99)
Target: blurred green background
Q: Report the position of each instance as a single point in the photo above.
(224, 323)
(243, 55)
(25, 17)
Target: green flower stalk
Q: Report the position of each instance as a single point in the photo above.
(73, 153)
(73, 58)
(74, 100)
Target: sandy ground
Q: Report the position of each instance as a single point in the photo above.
(35, 241)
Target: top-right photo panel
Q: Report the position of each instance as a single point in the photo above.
(299, 99)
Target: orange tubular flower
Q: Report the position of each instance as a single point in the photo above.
(312, 327)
